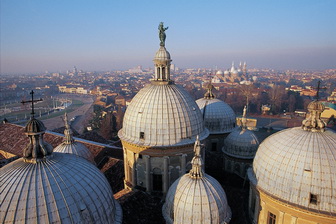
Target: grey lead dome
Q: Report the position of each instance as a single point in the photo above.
(62, 189)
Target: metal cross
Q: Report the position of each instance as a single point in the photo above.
(32, 101)
(318, 89)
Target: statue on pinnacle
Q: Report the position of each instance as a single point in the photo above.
(162, 34)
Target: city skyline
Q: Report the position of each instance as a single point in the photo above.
(110, 35)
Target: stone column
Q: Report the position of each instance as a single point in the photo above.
(263, 212)
(148, 173)
(134, 182)
(183, 164)
(165, 174)
(125, 167)
(281, 217)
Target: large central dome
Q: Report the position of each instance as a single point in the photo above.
(162, 114)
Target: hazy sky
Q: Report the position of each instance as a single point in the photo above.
(55, 35)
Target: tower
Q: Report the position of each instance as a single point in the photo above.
(159, 128)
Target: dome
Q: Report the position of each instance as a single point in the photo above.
(226, 72)
(69, 145)
(61, 189)
(241, 143)
(162, 114)
(219, 72)
(75, 148)
(219, 117)
(34, 126)
(196, 197)
(162, 54)
(295, 164)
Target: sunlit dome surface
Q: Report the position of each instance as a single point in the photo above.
(162, 54)
(219, 72)
(241, 143)
(162, 114)
(294, 164)
(62, 189)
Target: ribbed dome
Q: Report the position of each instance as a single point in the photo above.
(62, 189)
(34, 126)
(241, 143)
(219, 117)
(196, 197)
(75, 148)
(162, 115)
(162, 54)
(294, 164)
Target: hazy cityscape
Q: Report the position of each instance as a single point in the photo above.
(175, 112)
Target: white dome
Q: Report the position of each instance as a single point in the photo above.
(219, 72)
(75, 148)
(219, 117)
(294, 164)
(241, 143)
(63, 188)
(226, 72)
(162, 115)
(196, 198)
(162, 54)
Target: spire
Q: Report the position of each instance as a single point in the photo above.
(67, 132)
(162, 59)
(209, 94)
(244, 120)
(197, 163)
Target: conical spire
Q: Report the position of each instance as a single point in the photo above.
(197, 162)
(67, 132)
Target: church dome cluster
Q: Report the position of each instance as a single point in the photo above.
(50, 187)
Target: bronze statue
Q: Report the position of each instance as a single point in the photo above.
(162, 34)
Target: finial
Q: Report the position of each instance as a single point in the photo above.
(209, 94)
(318, 88)
(162, 34)
(32, 101)
(67, 132)
(313, 121)
(244, 120)
(197, 163)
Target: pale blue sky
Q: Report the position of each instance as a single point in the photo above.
(55, 35)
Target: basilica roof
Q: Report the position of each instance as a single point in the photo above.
(47, 187)
(196, 197)
(298, 165)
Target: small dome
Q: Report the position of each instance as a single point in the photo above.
(162, 115)
(69, 145)
(62, 189)
(219, 72)
(219, 117)
(226, 72)
(34, 126)
(196, 197)
(162, 54)
(75, 148)
(241, 143)
(295, 164)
